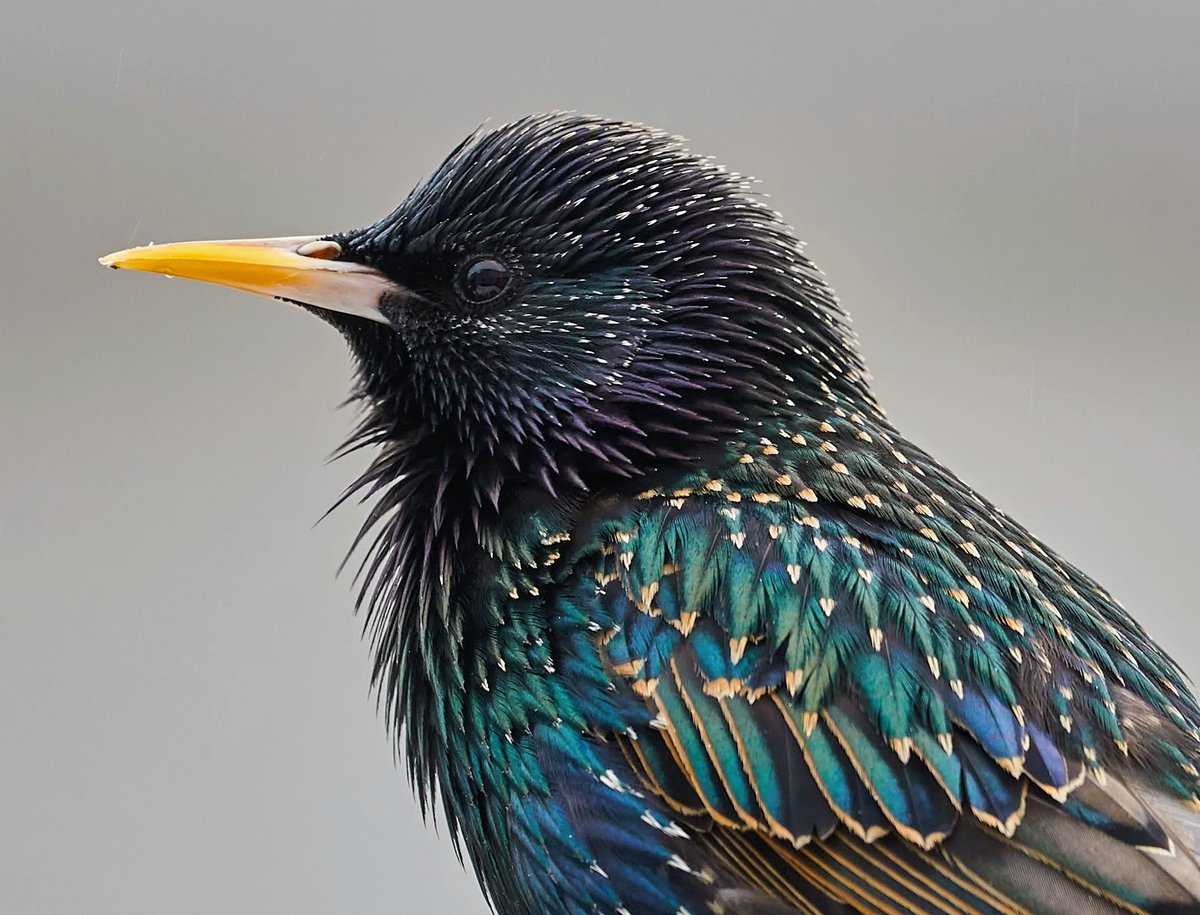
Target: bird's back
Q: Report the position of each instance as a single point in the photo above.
(825, 676)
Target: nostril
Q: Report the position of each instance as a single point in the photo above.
(324, 249)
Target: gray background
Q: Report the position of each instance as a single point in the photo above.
(1006, 198)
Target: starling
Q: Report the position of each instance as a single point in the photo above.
(669, 616)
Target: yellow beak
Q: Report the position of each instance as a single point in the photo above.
(302, 269)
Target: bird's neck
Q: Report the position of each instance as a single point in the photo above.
(461, 548)
(452, 589)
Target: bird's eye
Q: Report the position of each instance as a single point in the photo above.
(483, 280)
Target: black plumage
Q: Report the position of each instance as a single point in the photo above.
(668, 613)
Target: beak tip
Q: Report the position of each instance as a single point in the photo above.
(110, 260)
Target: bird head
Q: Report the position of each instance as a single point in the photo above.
(566, 302)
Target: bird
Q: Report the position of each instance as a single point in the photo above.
(666, 616)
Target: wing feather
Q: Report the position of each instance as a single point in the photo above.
(855, 719)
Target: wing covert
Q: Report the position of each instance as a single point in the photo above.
(819, 680)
